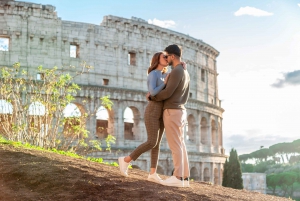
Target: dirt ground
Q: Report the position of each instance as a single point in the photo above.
(27, 174)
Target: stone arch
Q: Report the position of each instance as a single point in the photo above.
(131, 122)
(37, 127)
(206, 175)
(74, 116)
(203, 125)
(103, 121)
(194, 173)
(191, 132)
(160, 170)
(36, 109)
(213, 133)
(5, 107)
(6, 110)
(136, 167)
(220, 135)
(216, 176)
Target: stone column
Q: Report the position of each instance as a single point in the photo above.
(91, 124)
(220, 174)
(119, 124)
(201, 172)
(217, 136)
(209, 145)
(197, 133)
(212, 176)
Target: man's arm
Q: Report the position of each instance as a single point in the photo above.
(174, 80)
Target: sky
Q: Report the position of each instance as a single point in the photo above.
(258, 65)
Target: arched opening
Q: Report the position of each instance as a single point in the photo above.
(135, 167)
(191, 134)
(220, 135)
(131, 121)
(102, 122)
(128, 124)
(203, 125)
(160, 170)
(213, 133)
(38, 126)
(5, 107)
(6, 110)
(216, 176)
(73, 121)
(206, 175)
(194, 174)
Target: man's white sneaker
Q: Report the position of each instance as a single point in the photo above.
(154, 178)
(123, 166)
(173, 181)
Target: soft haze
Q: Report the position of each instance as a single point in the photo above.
(259, 62)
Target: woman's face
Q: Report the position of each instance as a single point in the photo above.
(163, 60)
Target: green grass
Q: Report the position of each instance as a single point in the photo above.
(53, 150)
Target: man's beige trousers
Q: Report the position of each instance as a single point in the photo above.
(174, 120)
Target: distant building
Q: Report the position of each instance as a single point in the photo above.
(255, 182)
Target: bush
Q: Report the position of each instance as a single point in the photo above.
(32, 110)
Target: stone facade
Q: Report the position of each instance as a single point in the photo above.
(255, 182)
(120, 50)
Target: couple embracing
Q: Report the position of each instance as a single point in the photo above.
(168, 93)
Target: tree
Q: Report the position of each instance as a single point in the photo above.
(287, 182)
(225, 174)
(247, 167)
(281, 149)
(233, 172)
(273, 180)
(296, 145)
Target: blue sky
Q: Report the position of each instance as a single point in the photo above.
(259, 62)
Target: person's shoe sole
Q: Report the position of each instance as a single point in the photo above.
(120, 162)
(153, 180)
(176, 185)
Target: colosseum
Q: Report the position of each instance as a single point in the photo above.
(120, 50)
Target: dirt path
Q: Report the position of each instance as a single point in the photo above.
(35, 175)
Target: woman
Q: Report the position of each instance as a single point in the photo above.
(156, 81)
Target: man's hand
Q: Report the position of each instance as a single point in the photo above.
(184, 65)
(166, 79)
(147, 96)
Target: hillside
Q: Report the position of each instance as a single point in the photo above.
(27, 174)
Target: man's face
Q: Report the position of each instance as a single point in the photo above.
(169, 58)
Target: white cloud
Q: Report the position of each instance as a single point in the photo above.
(299, 4)
(252, 11)
(164, 23)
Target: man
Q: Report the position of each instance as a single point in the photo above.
(175, 96)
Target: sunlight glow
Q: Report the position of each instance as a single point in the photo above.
(128, 115)
(71, 110)
(4, 42)
(37, 108)
(5, 107)
(102, 113)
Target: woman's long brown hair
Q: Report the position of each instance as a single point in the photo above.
(154, 63)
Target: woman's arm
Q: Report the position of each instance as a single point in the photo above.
(153, 89)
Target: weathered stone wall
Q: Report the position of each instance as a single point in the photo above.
(38, 37)
(255, 182)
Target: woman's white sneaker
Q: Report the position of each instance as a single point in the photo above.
(123, 166)
(154, 178)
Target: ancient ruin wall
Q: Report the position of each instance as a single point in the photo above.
(37, 36)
